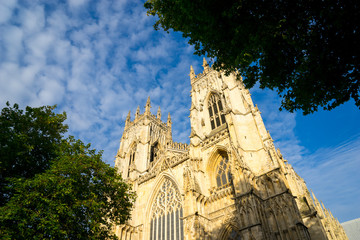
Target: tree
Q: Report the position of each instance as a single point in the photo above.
(77, 197)
(305, 50)
(29, 141)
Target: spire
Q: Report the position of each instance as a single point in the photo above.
(158, 115)
(147, 106)
(192, 72)
(205, 65)
(127, 121)
(137, 113)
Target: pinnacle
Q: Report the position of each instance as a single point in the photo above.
(192, 72)
(169, 118)
(158, 115)
(204, 62)
(147, 106)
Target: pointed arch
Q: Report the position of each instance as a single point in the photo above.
(219, 167)
(215, 152)
(132, 147)
(154, 151)
(164, 210)
(216, 109)
(229, 232)
(131, 156)
(208, 95)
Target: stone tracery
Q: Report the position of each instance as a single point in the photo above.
(216, 111)
(167, 212)
(223, 174)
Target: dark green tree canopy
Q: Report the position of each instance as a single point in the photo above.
(29, 141)
(305, 50)
(74, 196)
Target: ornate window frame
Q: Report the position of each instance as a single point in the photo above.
(216, 110)
(166, 213)
(217, 155)
(223, 172)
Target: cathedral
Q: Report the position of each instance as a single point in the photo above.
(229, 182)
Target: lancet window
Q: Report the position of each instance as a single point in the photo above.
(223, 174)
(132, 158)
(216, 111)
(166, 218)
(154, 151)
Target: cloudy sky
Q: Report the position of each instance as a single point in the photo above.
(97, 60)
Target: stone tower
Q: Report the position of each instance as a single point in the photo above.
(229, 183)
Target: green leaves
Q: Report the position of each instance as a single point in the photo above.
(28, 142)
(306, 50)
(75, 196)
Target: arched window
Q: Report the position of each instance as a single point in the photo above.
(132, 158)
(154, 152)
(216, 111)
(166, 214)
(223, 174)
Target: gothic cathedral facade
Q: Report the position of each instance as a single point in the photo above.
(229, 183)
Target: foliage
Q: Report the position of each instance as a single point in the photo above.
(28, 142)
(306, 50)
(77, 197)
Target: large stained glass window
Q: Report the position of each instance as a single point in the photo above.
(166, 215)
(216, 111)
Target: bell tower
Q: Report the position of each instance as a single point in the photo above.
(142, 141)
(221, 101)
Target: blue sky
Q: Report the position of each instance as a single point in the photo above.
(99, 59)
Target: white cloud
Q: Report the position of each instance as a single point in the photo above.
(332, 173)
(51, 92)
(6, 8)
(76, 3)
(39, 45)
(33, 19)
(13, 37)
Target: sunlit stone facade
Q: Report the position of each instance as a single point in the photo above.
(229, 183)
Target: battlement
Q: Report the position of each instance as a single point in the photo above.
(177, 146)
